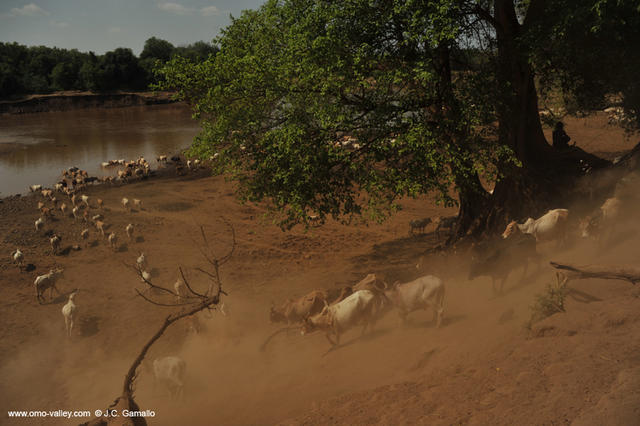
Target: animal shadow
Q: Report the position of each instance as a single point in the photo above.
(89, 326)
(139, 239)
(30, 267)
(65, 251)
(123, 248)
(94, 243)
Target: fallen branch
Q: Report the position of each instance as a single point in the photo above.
(599, 271)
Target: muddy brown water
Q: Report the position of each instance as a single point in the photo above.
(35, 148)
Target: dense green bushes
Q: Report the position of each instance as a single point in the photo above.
(40, 69)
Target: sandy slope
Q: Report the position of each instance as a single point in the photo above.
(481, 367)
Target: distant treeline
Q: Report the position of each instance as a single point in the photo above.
(31, 70)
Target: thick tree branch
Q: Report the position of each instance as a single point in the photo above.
(599, 271)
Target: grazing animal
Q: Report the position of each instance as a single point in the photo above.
(100, 203)
(180, 288)
(602, 224)
(145, 276)
(170, 372)
(141, 261)
(422, 293)
(75, 212)
(125, 204)
(550, 226)
(85, 215)
(499, 257)
(74, 199)
(294, 311)
(85, 200)
(129, 230)
(419, 225)
(46, 212)
(113, 240)
(84, 234)
(161, 159)
(55, 243)
(359, 308)
(69, 312)
(35, 188)
(39, 223)
(100, 227)
(96, 217)
(137, 204)
(63, 208)
(17, 257)
(47, 281)
(445, 223)
(40, 205)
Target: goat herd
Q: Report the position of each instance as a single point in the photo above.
(78, 207)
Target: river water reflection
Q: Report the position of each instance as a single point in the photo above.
(35, 148)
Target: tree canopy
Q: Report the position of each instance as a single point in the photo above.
(339, 108)
(40, 69)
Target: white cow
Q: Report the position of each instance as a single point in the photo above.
(170, 371)
(550, 226)
(359, 308)
(422, 293)
(602, 224)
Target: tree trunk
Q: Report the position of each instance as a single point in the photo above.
(519, 120)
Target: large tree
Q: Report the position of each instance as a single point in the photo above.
(339, 108)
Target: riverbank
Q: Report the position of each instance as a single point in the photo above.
(71, 100)
(480, 366)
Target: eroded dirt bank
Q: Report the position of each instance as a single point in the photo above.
(482, 367)
(65, 101)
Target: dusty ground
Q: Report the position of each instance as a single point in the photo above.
(482, 367)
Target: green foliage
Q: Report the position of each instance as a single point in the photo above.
(41, 69)
(590, 53)
(296, 78)
(549, 303)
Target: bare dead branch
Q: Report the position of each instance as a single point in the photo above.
(159, 303)
(186, 282)
(152, 285)
(128, 380)
(599, 271)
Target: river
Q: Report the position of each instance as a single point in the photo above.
(35, 148)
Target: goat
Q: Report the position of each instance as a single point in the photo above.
(69, 313)
(141, 261)
(129, 230)
(47, 281)
(55, 243)
(85, 200)
(39, 223)
(75, 212)
(17, 257)
(113, 240)
(137, 204)
(100, 203)
(100, 227)
(125, 204)
(418, 224)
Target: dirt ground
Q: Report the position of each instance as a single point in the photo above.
(483, 366)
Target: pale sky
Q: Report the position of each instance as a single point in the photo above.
(103, 25)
